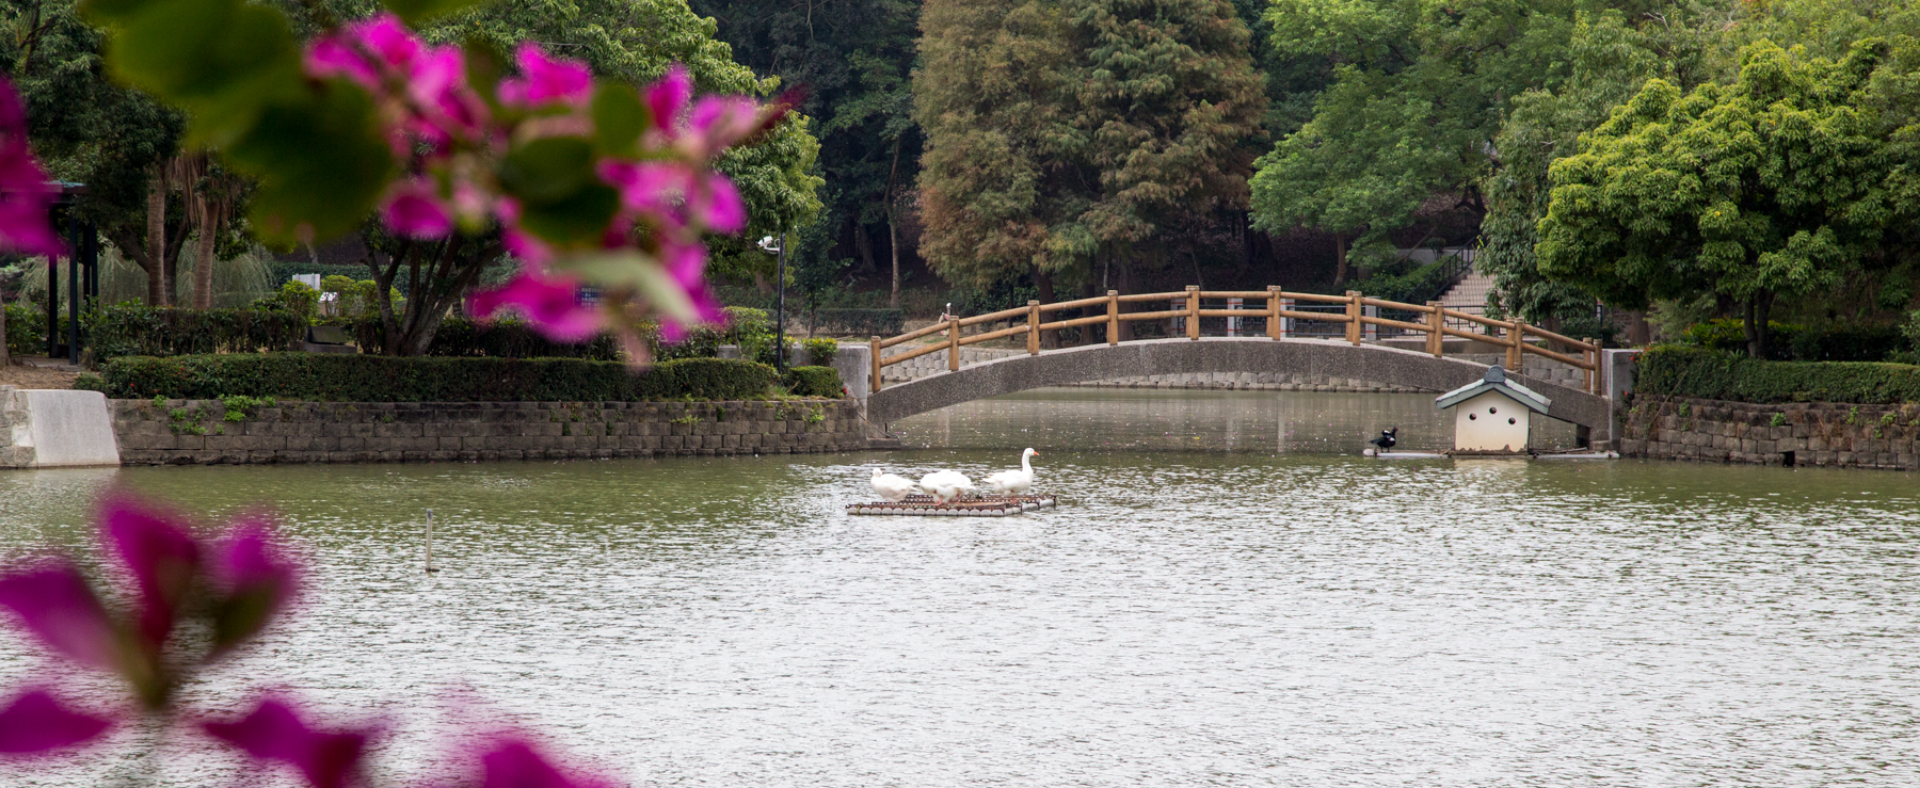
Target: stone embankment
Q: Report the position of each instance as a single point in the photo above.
(206, 432)
(1824, 434)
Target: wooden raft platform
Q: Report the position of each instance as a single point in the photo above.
(983, 506)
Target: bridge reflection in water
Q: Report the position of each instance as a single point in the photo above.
(1192, 420)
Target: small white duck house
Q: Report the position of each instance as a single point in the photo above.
(1492, 415)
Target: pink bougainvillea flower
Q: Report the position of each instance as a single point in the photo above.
(716, 205)
(720, 121)
(413, 209)
(162, 556)
(55, 604)
(274, 732)
(25, 190)
(366, 52)
(257, 583)
(651, 187)
(34, 723)
(546, 80)
(551, 304)
(514, 763)
(667, 98)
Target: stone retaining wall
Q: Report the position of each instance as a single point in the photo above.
(1827, 434)
(200, 432)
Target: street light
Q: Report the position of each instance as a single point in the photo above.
(780, 300)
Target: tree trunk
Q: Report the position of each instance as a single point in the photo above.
(5, 359)
(864, 246)
(1639, 333)
(1043, 280)
(893, 248)
(157, 294)
(1759, 334)
(1340, 259)
(203, 263)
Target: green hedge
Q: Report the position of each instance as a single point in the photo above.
(1705, 374)
(1790, 342)
(349, 378)
(814, 382)
(26, 330)
(133, 329)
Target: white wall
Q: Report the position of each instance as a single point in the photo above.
(1490, 422)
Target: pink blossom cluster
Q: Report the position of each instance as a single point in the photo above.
(25, 190)
(454, 142)
(232, 587)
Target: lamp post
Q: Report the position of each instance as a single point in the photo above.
(779, 301)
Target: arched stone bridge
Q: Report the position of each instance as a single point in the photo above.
(1369, 362)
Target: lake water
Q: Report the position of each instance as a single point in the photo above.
(1226, 595)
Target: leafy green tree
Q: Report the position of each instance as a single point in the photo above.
(1772, 186)
(90, 130)
(1419, 90)
(854, 62)
(1057, 134)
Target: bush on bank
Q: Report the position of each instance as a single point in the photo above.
(1705, 374)
(813, 381)
(348, 378)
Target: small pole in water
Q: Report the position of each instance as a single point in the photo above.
(430, 569)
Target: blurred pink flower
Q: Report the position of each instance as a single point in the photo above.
(256, 583)
(514, 763)
(715, 205)
(162, 556)
(55, 604)
(413, 209)
(551, 304)
(544, 80)
(667, 98)
(345, 53)
(274, 732)
(33, 723)
(26, 192)
(676, 196)
(718, 122)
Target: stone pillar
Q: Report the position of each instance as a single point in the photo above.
(1616, 379)
(855, 364)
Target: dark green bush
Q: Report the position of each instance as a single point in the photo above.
(87, 381)
(506, 338)
(26, 330)
(861, 322)
(133, 329)
(350, 378)
(1790, 342)
(813, 382)
(1671, 370)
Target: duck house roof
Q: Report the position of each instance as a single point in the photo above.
(1496, 380)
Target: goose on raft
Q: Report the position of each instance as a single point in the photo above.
(891, 487)
(945, 486)
(1014, 482)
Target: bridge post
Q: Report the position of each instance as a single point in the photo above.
(1193, 311)
(1436, 321)
(874, 385)
(1589, 355)
(953, 344)
(1353, 316)
(1274, 330)
(1033, 328)
(1113, 317)
(1516, 338)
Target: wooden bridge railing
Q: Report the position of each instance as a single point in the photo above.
(1432, 319)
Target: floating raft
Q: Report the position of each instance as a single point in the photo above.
(1515, 455)
(983, 506)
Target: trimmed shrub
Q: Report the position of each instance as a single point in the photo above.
(133, 329)
(350, 378)
(813, 382)
(820, 352)
(26, 330)
(1693, 372)
(1790, 342)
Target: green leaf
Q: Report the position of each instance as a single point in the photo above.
(549, 169)
(322, 165)
(581, 216)
(417, 11)
(619, 118)
(639, 272)
(223, 61)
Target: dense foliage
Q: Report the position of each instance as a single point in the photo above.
(139, 330)
(1706, 374)
(813, 382)
(348, 378)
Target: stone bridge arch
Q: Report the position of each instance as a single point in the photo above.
(1372, 363)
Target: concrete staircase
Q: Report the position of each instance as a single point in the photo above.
(1469, 294)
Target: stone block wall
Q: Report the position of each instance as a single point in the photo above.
(1825, 434)
(184, 432)
(16, 447)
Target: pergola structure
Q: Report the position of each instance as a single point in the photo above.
(83, 271)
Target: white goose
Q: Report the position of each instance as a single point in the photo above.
(1014, 482)
(890, 486)
(945, 486)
